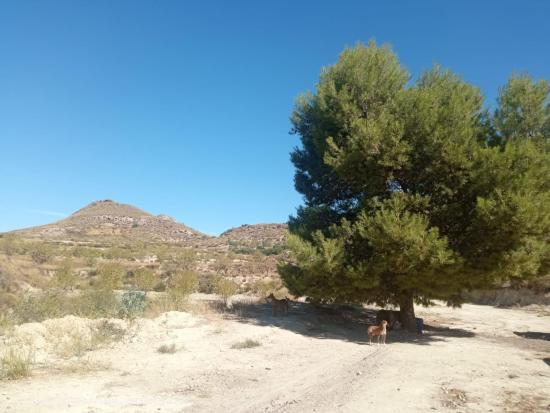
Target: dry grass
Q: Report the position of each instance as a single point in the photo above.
(16, 363)
(81, 366)
(167, 349)
(248, 343)
(79, 340)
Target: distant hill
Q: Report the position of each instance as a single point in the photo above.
(258, 234)
(111, 221)
(107, 221)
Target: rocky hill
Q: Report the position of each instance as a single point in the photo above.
(266, 235)
(110, 222)
(110, 232)
(107, 220)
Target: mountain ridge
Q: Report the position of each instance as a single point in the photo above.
(111, 221)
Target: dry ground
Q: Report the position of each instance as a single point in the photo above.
(473, 359)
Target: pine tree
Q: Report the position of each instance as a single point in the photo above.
(407, 197)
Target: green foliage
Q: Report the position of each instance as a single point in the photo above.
(407, 197)
(182, 284)
(207, 283)
(38, 307)
(523, 109)
(179, 260)
(41, 252)
(263, 288)
(133, 304)
(94, 304)
(145, 279)
(65, 278)
(225, 288)
(51, 304)
(110, 277)
(9, 244)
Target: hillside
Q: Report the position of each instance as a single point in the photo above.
(108, 221)
(267, 235)
(110, 232)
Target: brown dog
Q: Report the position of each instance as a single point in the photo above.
(378, 331)
(278, 306)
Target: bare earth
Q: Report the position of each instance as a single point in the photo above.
(469, 360)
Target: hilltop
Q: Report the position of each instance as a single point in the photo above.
(107, 220)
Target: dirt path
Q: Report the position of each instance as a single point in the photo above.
(469, 360)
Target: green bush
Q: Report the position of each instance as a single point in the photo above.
(41, 252)
(207, 283)
(65, 277)
(183, 283)
(225, 289)
(90, 303)
(132, 304)
(110, 277)
(39, 307)
(264, 288)
(95, 304)
(145, 279)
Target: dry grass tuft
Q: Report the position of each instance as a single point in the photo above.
(248, 343)
(15, 364)
(167, 349)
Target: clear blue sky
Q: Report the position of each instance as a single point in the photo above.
(182, 107)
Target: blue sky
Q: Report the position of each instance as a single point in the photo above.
(183, 107)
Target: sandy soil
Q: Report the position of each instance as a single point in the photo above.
(473, 359)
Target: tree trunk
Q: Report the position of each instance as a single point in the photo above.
(406, 309)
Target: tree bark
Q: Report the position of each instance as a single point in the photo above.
(406, 309)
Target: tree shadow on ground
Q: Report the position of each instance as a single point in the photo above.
(535, 335)
(347, 323)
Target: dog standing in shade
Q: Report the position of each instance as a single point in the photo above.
(378, 331)
(278, 306)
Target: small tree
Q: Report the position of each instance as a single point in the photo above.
(407, 197)
(182, 284)
(226, 289)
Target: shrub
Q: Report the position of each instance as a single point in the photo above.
(225, 289)
(145, 279)
(95, 304)
(9, 244)
(132, 304)
(106, 332)
(41, 252)
(75, 340)
(38, 307)
(248, 343)
(167, 349)
(159, 287)
(15, 364)
(207, 283)
(64, 276)
(110, 277)
(182, 284)
(264, 288)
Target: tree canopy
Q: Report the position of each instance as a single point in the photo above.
(414, 192)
